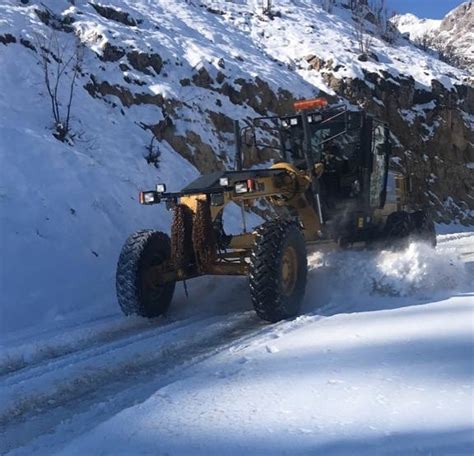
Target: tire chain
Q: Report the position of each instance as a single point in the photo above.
(203, 237)
(182, 252)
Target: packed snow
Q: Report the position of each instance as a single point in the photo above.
(380, 362)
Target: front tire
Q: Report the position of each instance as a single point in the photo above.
(278, 270)
(136, 292)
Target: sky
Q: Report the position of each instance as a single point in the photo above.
(432, 9)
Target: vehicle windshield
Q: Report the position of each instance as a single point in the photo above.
(338, 134)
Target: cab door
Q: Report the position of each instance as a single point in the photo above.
(379, 170)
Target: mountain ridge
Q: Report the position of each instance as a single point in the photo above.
(452, 37)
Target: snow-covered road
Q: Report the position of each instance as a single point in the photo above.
(381, 362)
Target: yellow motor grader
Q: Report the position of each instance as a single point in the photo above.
(330, 187)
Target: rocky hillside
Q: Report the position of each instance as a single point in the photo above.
(452, 38)
(156, 86)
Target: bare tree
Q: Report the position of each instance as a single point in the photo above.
(154, 153)
(424, 42)
(364, 39)
(61, 64)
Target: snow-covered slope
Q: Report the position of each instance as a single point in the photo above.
(380, 363)
(415, 27)
(452, 37)
(177, 70)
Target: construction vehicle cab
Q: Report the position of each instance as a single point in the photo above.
(348, 151)
(328, 188)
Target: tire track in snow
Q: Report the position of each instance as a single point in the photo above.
(57, 388)
(83, 337)
(464, 249)
(77, 351)
(117, 372)
(443, 238)
(63, 379)
(18, 355)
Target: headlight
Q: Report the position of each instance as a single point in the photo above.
(294, 121)
(149, 198)
(241, 187)
(161, 188)
(224, 181)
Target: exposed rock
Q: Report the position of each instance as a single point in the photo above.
(229, 91)
(452, 37)
(126, 97)
(7, 39)
(142, 62)
(111, 53)
(61, 23)
(220, 78)
(202, 78)
(193, 149)
(317, 63)
(163, 128)
(115, 15)
(135, 81)
(27, 43)
(455, 36)
(259, 96)
(253, 155)
(215, 11)
(222, 122)
(204, 157)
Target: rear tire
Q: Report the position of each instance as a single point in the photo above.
(278, 270)
(136, 294)
(402, 227)
(425, 230)
(398, 227)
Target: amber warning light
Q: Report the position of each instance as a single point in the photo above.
(310, 104)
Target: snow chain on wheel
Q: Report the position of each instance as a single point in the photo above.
(136, 292)
(181, 237)
(203, 238)
(277, 270)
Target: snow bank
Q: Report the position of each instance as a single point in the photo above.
(359, 279)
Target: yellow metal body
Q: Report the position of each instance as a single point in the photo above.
(290, 189)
